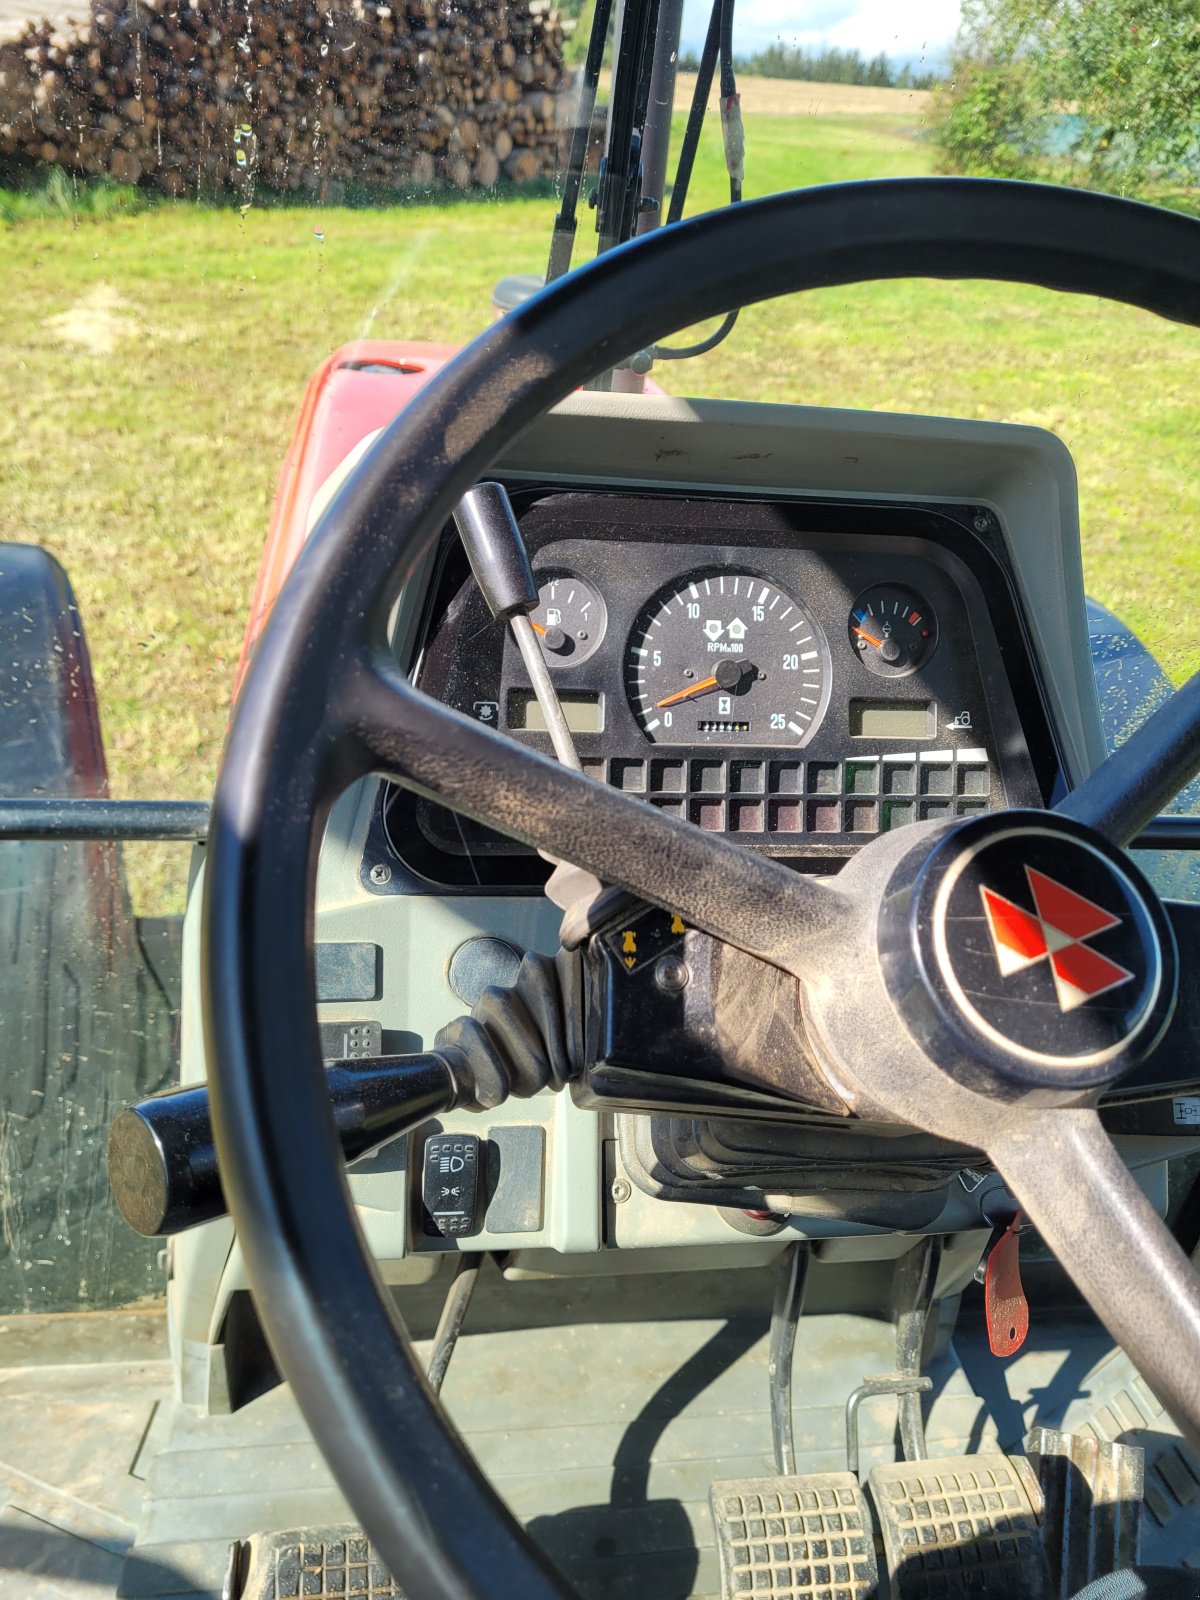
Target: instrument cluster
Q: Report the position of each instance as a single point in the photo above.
(799, 676)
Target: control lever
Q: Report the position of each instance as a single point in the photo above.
(499, 560)
(162, 1160)
(492, 539)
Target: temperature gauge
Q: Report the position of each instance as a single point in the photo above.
(569, 619)
(892, 630)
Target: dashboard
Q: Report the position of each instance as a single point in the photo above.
(797, 674)
(634, 499)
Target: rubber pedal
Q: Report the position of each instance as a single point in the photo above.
(794, 1538)
(332, 1563)
(958, 1527)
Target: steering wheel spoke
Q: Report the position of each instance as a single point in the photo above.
(744, 899)
(1130, 788)
(1089, 1208)
(1174, 1064)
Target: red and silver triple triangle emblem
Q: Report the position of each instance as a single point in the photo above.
(1058, 932)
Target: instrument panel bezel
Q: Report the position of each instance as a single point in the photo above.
(641, 539)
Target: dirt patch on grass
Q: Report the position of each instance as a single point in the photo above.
(794, 97)
(97, 322)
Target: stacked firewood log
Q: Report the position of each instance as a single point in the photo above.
(219, 96)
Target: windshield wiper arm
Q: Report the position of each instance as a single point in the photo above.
(620, 187)
(562, 243)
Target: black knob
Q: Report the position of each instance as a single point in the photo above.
(162, 1163)
(162, 1160)
(490, 535)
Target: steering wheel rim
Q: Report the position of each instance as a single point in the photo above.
(298, 739)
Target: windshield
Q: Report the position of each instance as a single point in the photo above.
(201, 201)
(204, 201)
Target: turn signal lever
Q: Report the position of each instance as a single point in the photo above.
(162, 1161)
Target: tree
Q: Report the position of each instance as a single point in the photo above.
(1106, 91)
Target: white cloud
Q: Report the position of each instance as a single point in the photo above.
(908, 31)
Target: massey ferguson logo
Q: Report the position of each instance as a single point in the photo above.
(1056, 932)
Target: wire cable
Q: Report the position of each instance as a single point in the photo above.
(695, 121)
(718, 41)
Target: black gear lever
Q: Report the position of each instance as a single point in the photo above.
(496, 550)
(499, 560)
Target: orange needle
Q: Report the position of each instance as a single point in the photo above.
(536, 626)
(683, 694)
(862, 634)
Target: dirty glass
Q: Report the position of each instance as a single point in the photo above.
(202, 200)
(89, 1021)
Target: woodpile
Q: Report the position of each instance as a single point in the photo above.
(213, 96)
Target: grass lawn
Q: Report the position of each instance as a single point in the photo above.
(155, 362)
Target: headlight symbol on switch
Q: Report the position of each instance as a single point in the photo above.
(450, 1184)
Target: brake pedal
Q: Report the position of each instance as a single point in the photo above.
(794, 1538)
(959, 1526)
(330, 1563)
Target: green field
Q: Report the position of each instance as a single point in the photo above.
(156, 362)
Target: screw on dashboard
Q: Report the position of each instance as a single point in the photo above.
(672, 974)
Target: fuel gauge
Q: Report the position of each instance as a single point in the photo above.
(569, 620)
(892, 630)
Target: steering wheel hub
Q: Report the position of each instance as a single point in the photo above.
(1027, 953)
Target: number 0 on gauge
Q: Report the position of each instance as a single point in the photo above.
(727, 658)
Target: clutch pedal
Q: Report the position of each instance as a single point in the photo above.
(794, 1538)
(334, 1563)
(959, 1526)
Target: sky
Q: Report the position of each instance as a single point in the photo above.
(906, 30)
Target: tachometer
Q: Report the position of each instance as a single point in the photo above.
(727, 657)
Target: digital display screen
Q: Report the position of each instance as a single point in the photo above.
(892, 719)
(584, 712)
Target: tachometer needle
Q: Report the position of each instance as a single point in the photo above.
(684, 694)
(862, 634)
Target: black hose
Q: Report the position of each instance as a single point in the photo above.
(728, 80)
(684, 352)
(718, 40)
(695, 121)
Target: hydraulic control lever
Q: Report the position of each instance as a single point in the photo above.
(492, 539)
(491, 536)
(162, 1161)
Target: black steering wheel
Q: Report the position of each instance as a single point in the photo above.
(325, 704)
